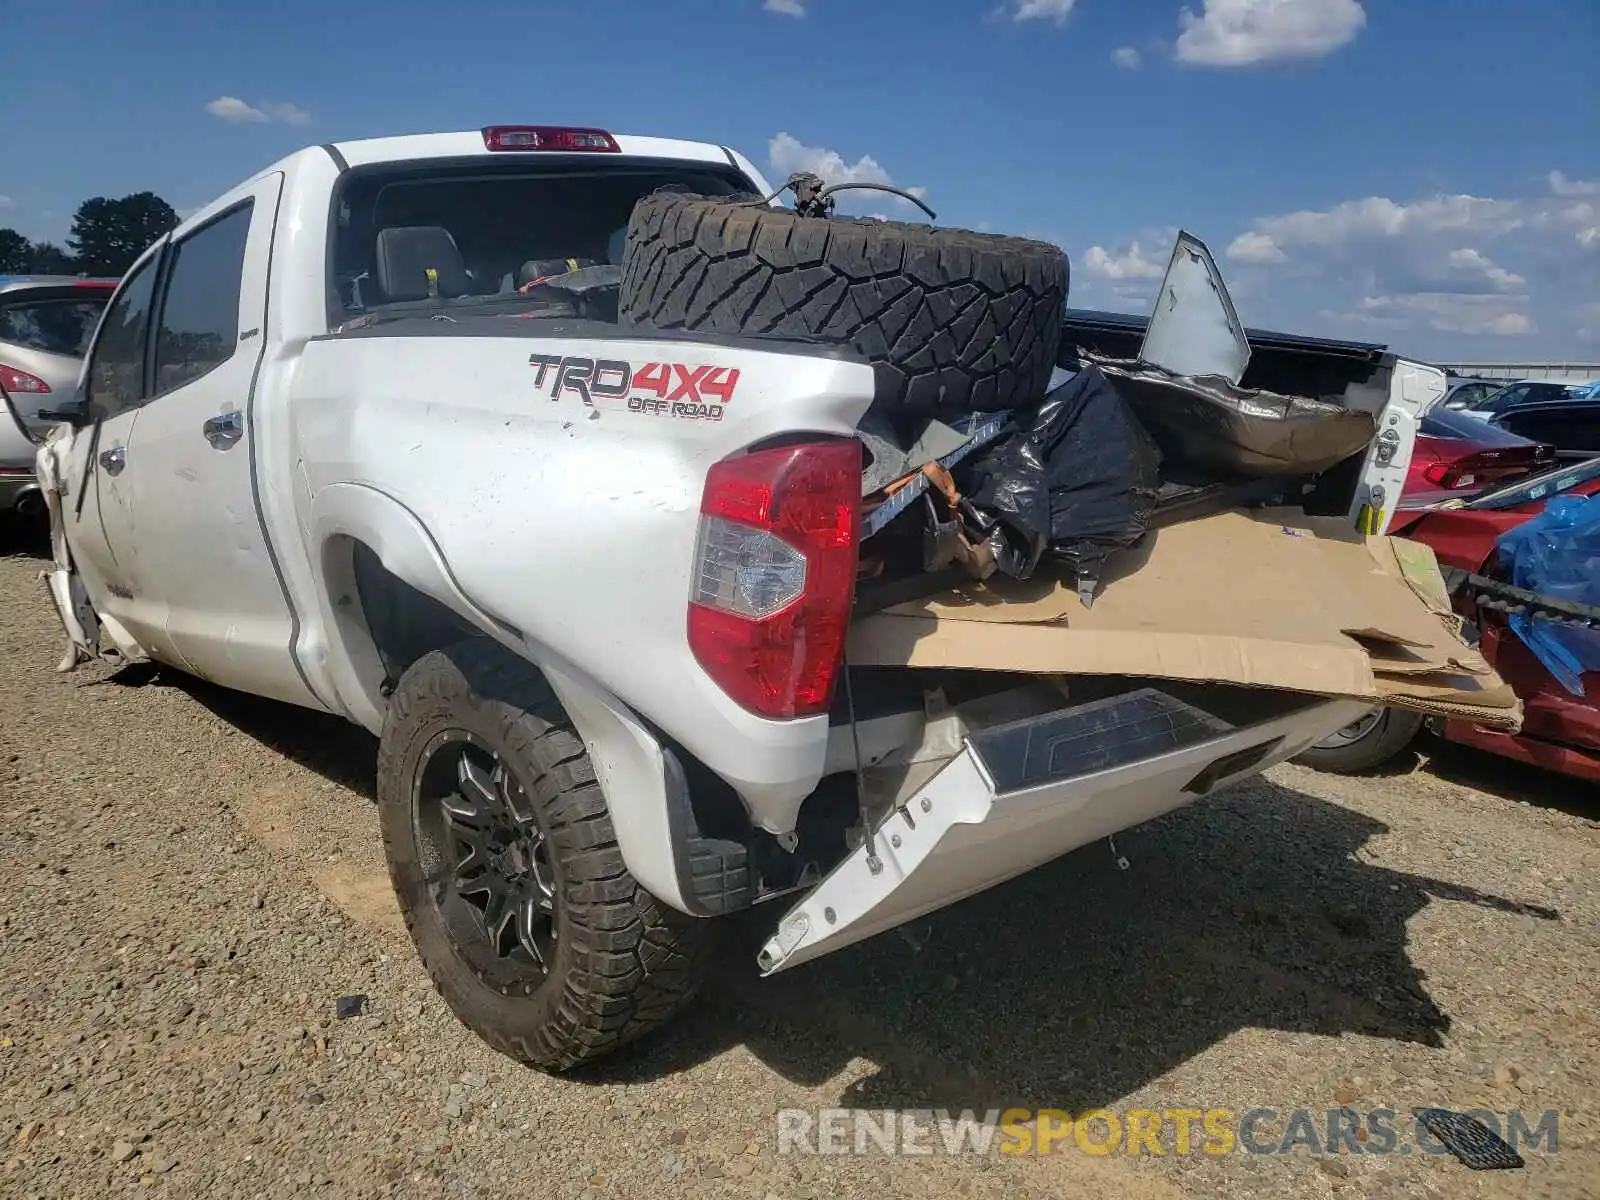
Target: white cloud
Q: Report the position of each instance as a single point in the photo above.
(1433, 245)
(1474, 263)
(7, 201)
(1130, 264)
(289, 114)
(1473, 315)
(1378, 218)
(231, 108)
(1126, 57)
(788, 8)
(1431, 273)
(1514, 324)
(1588, 326)
(1255, 247)
(1044, 10)
(789, 155)
(1133, 298)
(1560, 185)
(1242, 33)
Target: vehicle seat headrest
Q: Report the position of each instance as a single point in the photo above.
(418, 261)
(536, 269)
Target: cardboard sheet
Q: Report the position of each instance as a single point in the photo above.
(1388, 658)
(1489, 693)
(1270, 599)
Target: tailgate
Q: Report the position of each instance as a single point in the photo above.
(1019, 795)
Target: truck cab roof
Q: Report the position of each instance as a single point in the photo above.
(474, 143)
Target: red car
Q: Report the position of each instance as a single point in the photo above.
(1458, 455)
(1560, 731)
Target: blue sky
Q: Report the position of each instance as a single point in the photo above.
(1424, 173)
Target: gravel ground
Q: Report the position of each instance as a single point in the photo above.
(191, 878)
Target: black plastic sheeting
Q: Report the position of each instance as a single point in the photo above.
(1207, 424)
(1077, 480)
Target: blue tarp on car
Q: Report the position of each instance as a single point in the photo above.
(1557, 554)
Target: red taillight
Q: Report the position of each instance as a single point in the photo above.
(16, 381)
(775, 574)
(549, 137)
(1483, 467)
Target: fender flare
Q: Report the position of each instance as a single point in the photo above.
(642, 781)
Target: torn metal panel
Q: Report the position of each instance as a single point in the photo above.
(1210, 425)
(1017, 797)
(84, 628)
(978, 430)
(890, 460)
(1194, 329)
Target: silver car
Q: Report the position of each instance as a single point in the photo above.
(46, 323)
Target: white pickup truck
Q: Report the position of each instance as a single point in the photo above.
(359, 435)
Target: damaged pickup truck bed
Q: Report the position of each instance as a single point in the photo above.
(369, 434)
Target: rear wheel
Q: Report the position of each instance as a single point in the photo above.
(506, 865)
(1368, 742)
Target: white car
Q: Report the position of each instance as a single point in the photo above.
(360, 435)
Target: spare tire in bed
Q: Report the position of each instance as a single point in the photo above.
(954, 322)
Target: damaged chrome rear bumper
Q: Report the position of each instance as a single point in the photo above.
(1019, 795)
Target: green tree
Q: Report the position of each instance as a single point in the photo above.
(15, 253)
(19, 256)
(47, 258)
(107, 235)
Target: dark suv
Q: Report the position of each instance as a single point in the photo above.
(1515, 395)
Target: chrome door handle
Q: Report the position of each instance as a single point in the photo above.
(224, 430)
(114, 459)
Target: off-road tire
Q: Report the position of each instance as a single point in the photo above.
(623, 963)
(1396, 729)
(954, 322)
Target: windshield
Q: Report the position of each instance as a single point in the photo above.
(409, 235)
(1540, 487)
(59, 326)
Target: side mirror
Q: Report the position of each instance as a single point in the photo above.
(1455, 405)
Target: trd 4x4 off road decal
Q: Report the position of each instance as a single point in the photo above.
(660, 389)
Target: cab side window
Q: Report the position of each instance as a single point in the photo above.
(199, 326)
(116, 370)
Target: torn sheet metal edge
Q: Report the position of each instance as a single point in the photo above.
(1215, 387)
(857, 898)
(82, 625)
(984, 428)
(890, 461)
(1194, 329)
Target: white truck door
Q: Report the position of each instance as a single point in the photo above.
(96, 504)
(202, 545)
